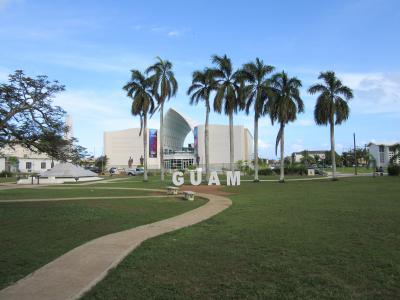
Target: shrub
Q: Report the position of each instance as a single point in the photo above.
(5, 174)
(394, 170)
(293, 170)
(266, 172)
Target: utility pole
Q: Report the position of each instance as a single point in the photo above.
(355, 154)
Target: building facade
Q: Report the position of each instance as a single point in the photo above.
(383, 153)
(120, 146)
(297, 156)
(20, 159)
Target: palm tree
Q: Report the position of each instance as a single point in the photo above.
(331, 107)
(228, 94)
(284, 108)
(140, 90)
(258, 92)
(164, 86)
(203, 84)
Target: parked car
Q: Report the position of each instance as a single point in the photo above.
(93, 169)
(113, 170)
(134, 172)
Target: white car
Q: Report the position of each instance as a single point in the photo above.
(134, 172)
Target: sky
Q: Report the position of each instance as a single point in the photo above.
(91, 46)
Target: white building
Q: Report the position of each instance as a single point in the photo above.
(382, 153)
(121, 145)
(26, 161)
(297, 156)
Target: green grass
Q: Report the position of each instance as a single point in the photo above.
(298, 240)
(8, 179)
(350, 170)
(34, 233)
(65, 192)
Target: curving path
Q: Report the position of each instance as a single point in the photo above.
(77, 271)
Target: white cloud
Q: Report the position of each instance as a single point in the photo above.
(304, 122)
(297, 146)
(263, 145)
(374, 93)
(174, 33)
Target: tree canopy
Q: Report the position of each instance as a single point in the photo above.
(29, 118)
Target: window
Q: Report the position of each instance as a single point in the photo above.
(28, 165)
(43, 165)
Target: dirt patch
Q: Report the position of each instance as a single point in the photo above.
(207, 189)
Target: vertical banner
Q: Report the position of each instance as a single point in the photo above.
(196, 139)
(153, 143)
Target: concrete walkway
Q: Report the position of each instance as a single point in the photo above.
(77, 271)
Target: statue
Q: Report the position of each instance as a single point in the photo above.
(130, 162)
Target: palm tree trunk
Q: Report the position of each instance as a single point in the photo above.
(162, 141)
(231, 144)
(145, 147)
(282, 177)
(333, 152)
(206, 143)
(256, 148)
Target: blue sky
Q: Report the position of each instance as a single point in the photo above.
(90, 46)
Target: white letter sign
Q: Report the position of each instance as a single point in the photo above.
(178, 181)
(213, 179)
(233, 178)
(193, 180)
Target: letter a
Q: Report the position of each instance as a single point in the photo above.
(213, 179)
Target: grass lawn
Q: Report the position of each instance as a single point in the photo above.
(298, 240)
(65, 192)
(351, 170)
(8, 179)
(34, 233)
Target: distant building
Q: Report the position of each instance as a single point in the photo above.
(382, 153)
(23, 160)
(297, 156)
(121, 145)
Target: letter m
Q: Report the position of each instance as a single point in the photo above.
(233, 178)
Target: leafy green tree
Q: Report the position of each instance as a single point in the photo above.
(257, 92)
(203, 84)
(164, 86)
(307, 159)
(396, 154)
(284, 108)
(228, 97)
(316, 158)
(28, 116)
(139, 88)
(331, 107)
(101, 162)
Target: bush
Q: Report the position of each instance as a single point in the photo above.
(5, 174)
(394, 170)
(265, 172)
(293, 170)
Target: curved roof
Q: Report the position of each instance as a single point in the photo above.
(176, 128)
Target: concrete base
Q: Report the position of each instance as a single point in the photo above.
(53, 180)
